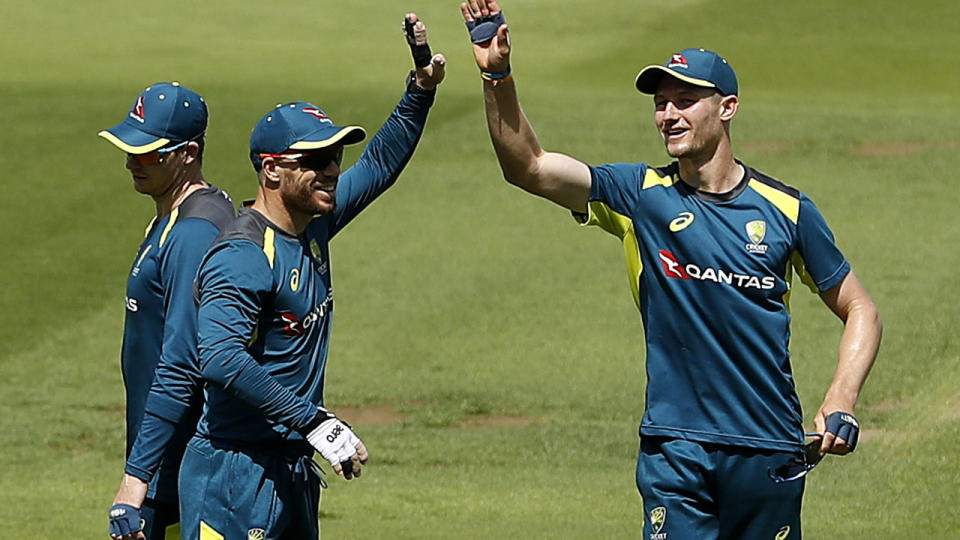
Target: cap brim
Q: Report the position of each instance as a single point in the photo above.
(649, 78)
(330, 136)
(132, 140)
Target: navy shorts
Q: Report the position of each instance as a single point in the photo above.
(228, 492)
(711, 492)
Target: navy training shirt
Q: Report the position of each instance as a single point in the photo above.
(160, 331)
(711, 275)
(266, 300)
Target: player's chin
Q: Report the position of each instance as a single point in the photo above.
(324, 202)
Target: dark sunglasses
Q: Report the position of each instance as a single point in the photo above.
(157, 156)
(798, 467)
(315, 161)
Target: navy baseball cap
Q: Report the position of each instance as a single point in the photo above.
(298, 126)
(698, 67)
(161, 114)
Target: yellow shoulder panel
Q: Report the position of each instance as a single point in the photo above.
(621, 226)
(268, 248)
(652, 179)
(786, 203)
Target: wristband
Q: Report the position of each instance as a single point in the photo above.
(496, 78)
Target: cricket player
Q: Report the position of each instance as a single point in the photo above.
(265, 312)
(163, 136)
(711, 245)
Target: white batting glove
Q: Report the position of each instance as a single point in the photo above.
(339, 445)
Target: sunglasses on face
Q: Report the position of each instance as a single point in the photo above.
(797, 468)
(157, 156)
(315, 161)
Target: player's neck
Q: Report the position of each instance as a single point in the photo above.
(272, 208)
(718, 173)
(179, 191)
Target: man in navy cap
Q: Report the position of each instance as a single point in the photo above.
(163, 137)
(710, 245)
(265, 312)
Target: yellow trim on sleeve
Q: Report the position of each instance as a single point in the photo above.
(621, 226)
(166, 230)
(268, 248)
(652, 179)
(159, 143)
(786, 203)
(209, 533)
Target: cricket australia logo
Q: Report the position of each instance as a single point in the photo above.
(658, 516)
(322, 266)
(756, 231)
(256, 534)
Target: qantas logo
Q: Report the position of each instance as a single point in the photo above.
(677, 60)
(318, 114)
(295, 327)
(137, 112)
(673, 268)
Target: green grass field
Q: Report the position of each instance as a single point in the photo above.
(490, 346)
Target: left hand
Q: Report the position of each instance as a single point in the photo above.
(840, 429)
(432, 74)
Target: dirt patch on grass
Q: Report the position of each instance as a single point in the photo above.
(903, 148)
(481, 421)
(887, 404)
(370, 416)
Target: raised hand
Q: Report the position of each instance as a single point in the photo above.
(493, 54)
(430, 69)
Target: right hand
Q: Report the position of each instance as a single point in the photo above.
(125, 513)
(125, 522)
(492, 56)
(340, 446)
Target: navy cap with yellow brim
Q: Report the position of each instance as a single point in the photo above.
(161, 114)
(698, 67)
(298, 126)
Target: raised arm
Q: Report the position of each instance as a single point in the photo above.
(525, 164)
(389, 151)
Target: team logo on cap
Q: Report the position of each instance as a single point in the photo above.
(677, 60)
(756, 231)
(256, 534)
(318, 114)
(137, 112)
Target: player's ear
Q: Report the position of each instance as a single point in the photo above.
(728, 107)
(193, 151)
(269, 176)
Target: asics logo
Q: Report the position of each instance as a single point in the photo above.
(682, 221)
